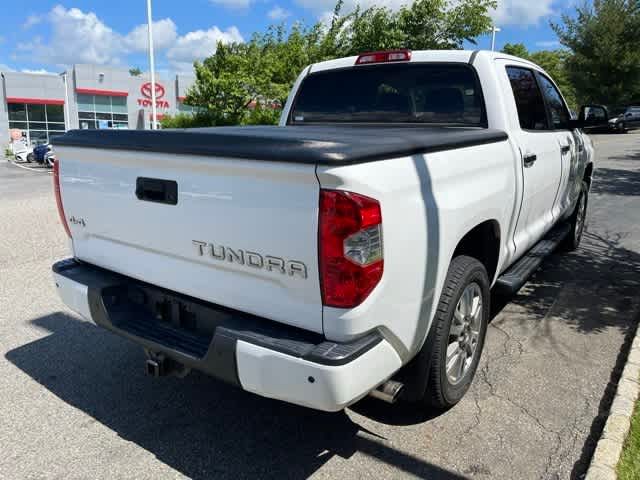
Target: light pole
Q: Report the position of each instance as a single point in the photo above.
(67, 118)
(494, 30)
(154, 113)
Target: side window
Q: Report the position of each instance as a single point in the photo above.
(529, 102)
(557, 109)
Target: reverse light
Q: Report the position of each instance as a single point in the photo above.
(56, 189)
(383, 57)
(351, 255)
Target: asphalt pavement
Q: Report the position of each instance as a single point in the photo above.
(75, 403)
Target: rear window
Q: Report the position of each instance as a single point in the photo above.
(439, 94)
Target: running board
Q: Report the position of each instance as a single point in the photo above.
(517, 274)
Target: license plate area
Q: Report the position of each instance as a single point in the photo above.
(169, 319)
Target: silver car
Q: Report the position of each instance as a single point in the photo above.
(629, 119)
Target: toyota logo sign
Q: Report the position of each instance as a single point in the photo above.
(146, 90)
(146, 102)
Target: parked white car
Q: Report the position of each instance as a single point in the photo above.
(349, 250)
(22, 152)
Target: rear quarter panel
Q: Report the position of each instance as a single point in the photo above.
(429, 202)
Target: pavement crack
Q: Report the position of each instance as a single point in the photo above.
(510, 337)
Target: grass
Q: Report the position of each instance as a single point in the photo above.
(629, 465)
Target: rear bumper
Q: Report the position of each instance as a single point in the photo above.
(258, 355)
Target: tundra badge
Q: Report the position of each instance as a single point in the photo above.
(251, 259)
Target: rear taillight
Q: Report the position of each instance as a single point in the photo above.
(351, 257)
(56, 189)
(384, 57)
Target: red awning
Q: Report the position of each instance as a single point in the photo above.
(112, 93)
(35, 101)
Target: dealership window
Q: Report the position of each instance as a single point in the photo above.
(102, 111)
(184, 108)
(39, 122)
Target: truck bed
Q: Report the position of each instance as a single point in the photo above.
(322, 145)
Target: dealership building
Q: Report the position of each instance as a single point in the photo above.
(86, 97)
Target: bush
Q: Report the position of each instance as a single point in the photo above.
(8, 153)
(262, 116)
(188, 120)
(255, 116)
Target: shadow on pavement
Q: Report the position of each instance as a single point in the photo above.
(617, 182)
(198, 426)
(591, 289)
(601, 278)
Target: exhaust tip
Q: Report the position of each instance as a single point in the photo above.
(388, 392)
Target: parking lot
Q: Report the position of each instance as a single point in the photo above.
(75, 403)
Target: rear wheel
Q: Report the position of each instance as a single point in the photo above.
(460, 327)
(577, 221)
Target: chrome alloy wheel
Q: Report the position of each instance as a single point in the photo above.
(464, 333)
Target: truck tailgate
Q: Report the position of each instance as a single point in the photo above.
(238, 233)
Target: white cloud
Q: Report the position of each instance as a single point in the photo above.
(521, 12)
(199, 45)
(508, 12)
(164, 36)
(31, 21)
(5, 68)
(82, 37)
(39, 71)
(76, 37)
(278, 13)
(548, 44)
(233, 4)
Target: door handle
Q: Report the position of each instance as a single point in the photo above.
(565, 149)
(529, 160)
(157, 190)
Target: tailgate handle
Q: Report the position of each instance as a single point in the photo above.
(157, 190)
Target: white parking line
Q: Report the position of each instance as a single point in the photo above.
(33, 169)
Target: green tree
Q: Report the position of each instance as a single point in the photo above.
(135, 72)
(516, 49)
(226, 82)
(188, 120)
(442, 24)
(604, 39)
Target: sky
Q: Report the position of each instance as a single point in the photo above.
(47, 36)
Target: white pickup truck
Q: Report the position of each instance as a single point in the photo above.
(349, 250)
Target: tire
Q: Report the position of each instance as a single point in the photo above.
(30, 158)
(444, 388)
(577, 221)
(622, 128)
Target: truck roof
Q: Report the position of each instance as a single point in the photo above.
(449, 56)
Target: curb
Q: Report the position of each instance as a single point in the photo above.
(31, 169)
(609, 448)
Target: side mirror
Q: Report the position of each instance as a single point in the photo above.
(591, 116)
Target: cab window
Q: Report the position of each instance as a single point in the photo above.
(558, 112)
(529, 101)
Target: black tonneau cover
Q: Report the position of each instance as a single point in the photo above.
(325, 145)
